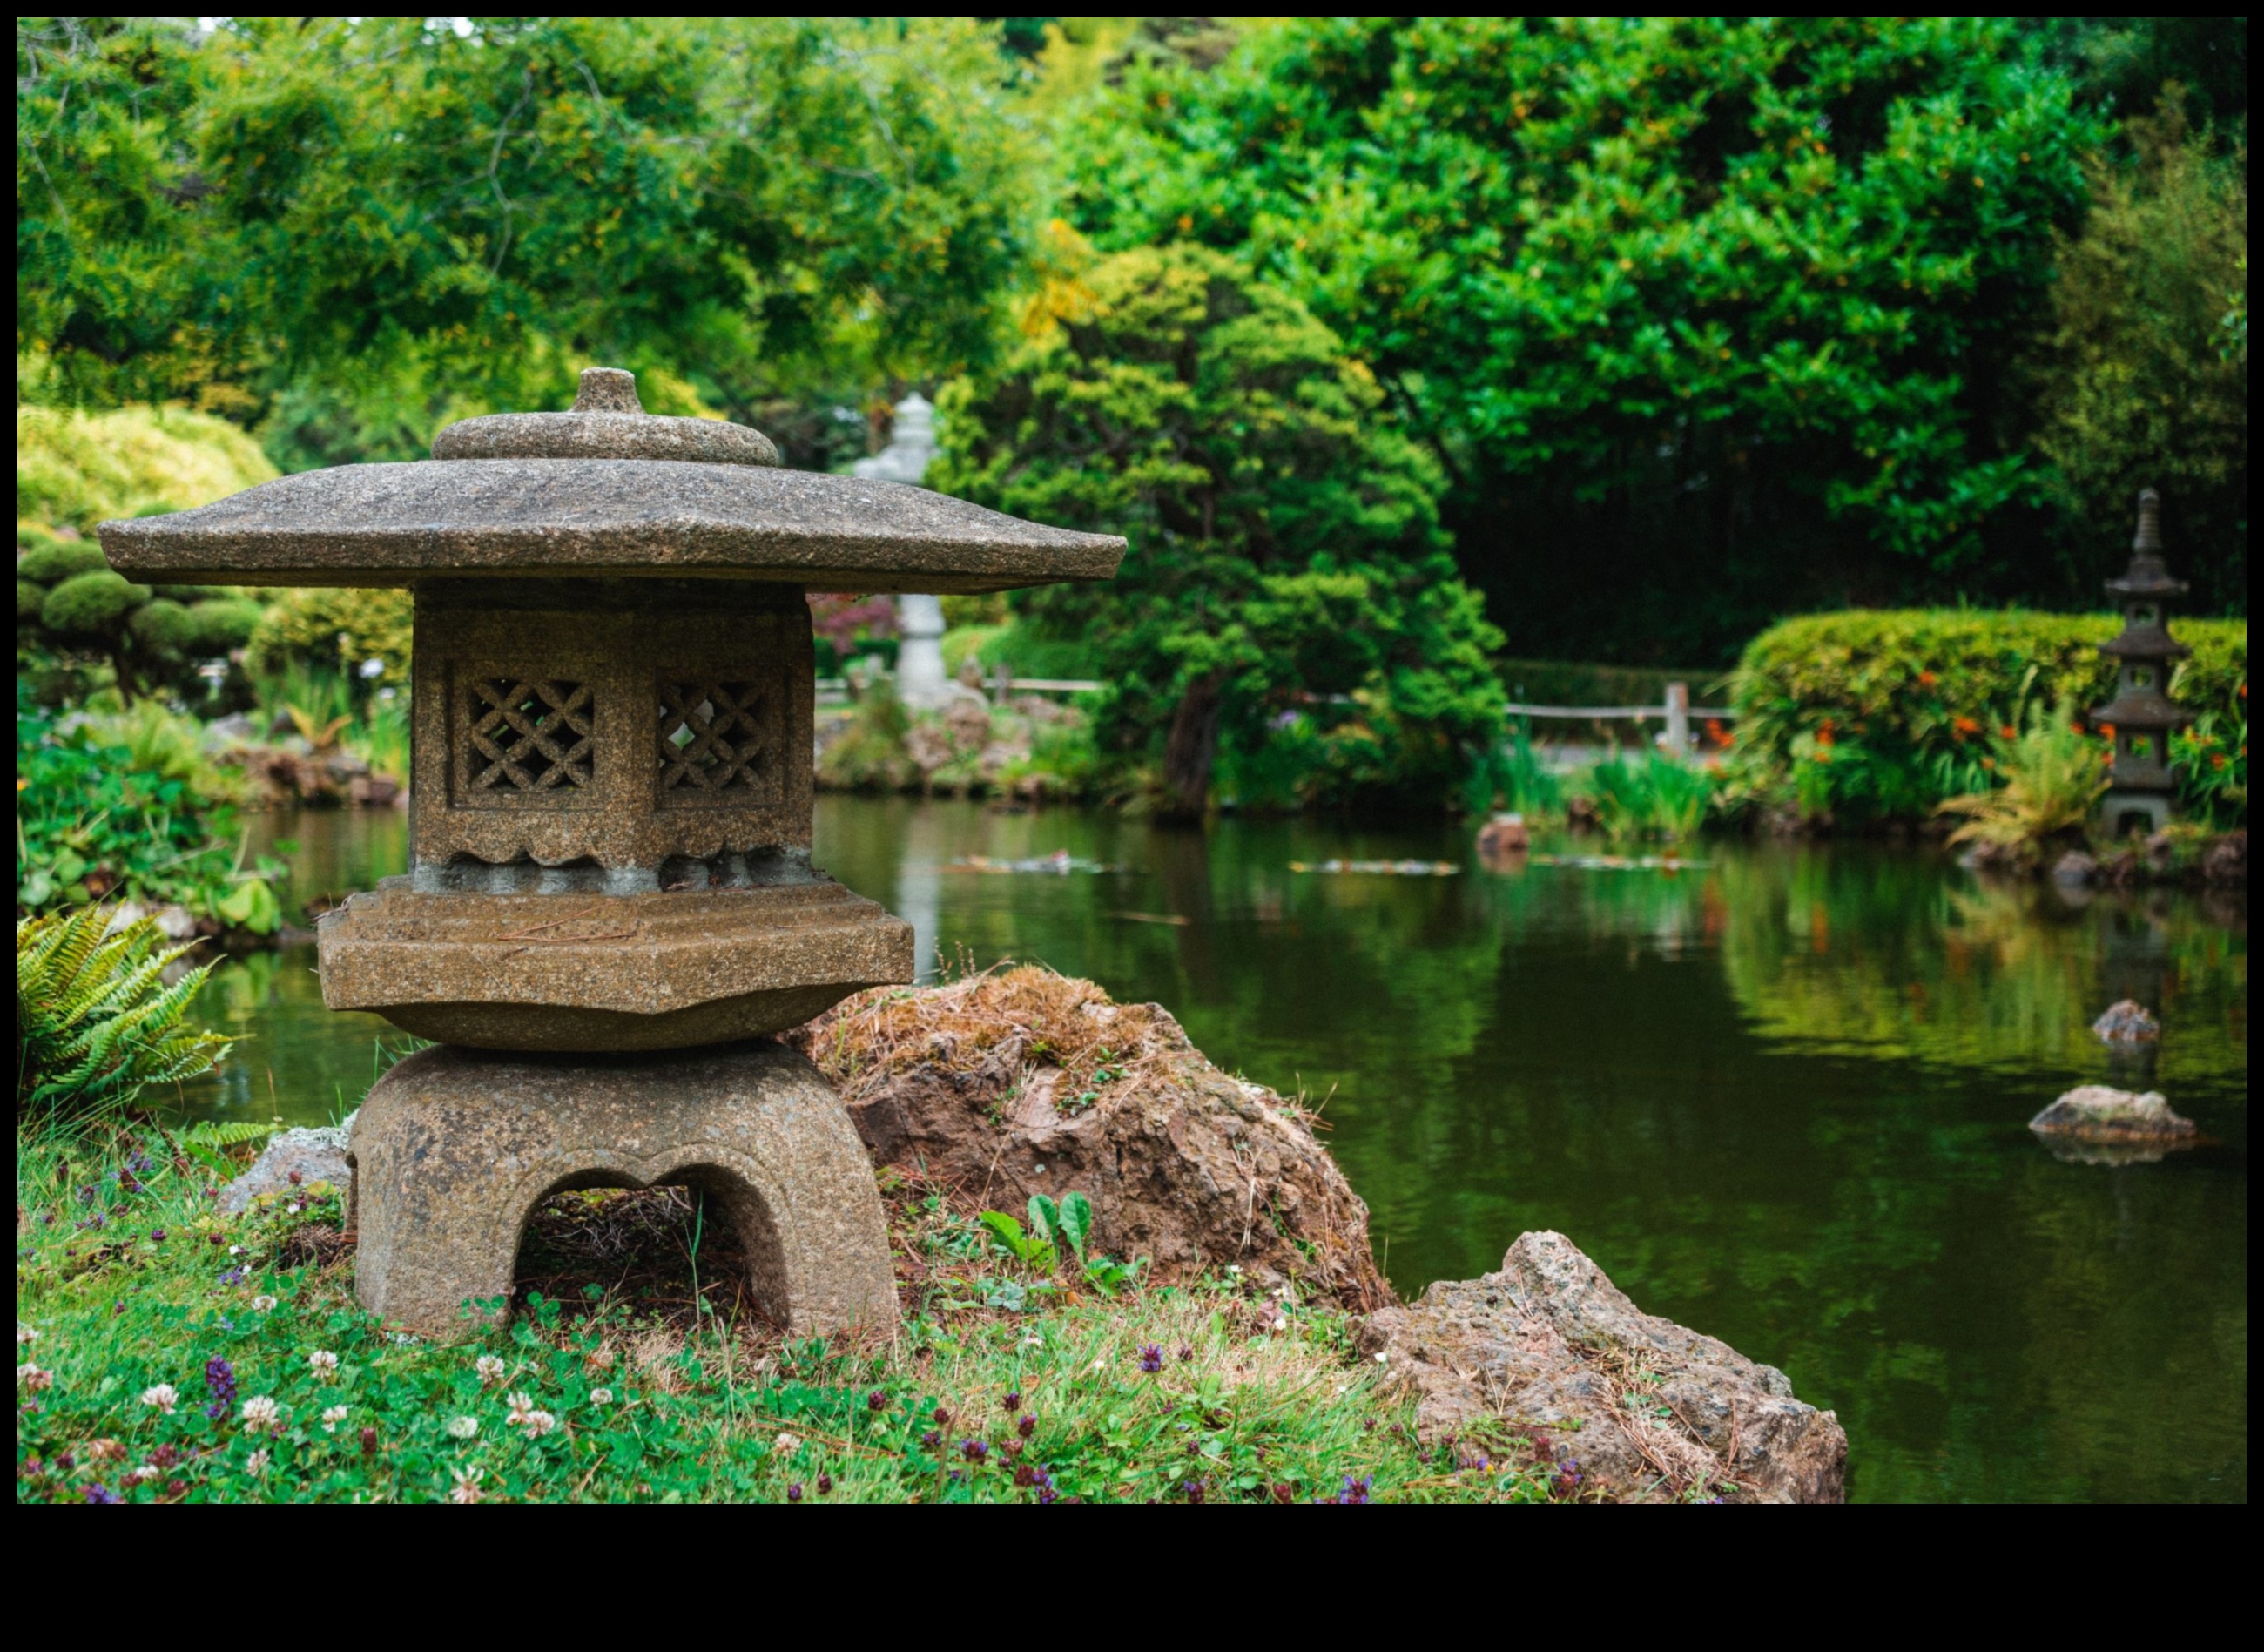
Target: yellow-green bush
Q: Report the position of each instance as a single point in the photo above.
(333, 629)
(81, 468)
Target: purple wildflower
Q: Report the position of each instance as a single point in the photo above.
(100, 1493)
(877, 1400)
(233, 1276)
(1151, 1358)
(1011, 1402)
(220, 1377)
(1186, 1352)
(1026, 1427)
(794, 1492)
(1354, 1491)
(930, 1439)
(157, 1235)
(975, 1451)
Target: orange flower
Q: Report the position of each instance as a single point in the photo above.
(2009, 732)
(1988, 762)
(1927, 679)
(2216, 759)
(1962, 727)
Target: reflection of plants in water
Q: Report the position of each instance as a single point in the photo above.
(1886, 958)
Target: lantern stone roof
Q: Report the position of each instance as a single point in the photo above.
(602, 491)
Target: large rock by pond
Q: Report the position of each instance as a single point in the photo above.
(1022, 1081)
(2097, 1112)
(1548, 1357)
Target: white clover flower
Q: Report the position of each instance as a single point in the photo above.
(539, 1423)
(601, 1396)
(467, 1489)
(148, 1471)
(163, 1396)
(34, 1378)
(521, 1405)
(263, 1305)
(260, 1412)
(236, 1251)
(1382, 1358)
(490, 1369)
(332, 1416)
(257, 1461)
(786, 1444)
(25, 1335)
(463, 1428)
(294, 1209)
(323, 1363)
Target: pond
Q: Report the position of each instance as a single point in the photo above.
(1781, 1097)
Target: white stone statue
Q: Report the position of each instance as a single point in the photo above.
(920, 680)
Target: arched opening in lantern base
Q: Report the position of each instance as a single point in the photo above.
(675, 1257)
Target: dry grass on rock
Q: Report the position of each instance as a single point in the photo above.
(1022, 1081)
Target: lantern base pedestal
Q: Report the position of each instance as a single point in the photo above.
(455, 1147)
(2119, 810)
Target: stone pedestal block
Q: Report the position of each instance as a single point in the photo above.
(454, 1147)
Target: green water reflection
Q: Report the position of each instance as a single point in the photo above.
(1781, 1099)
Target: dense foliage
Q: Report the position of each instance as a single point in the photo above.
(1882, 714)
(360, 225)
(1706, 319)
(340, 633)
(1285, 541)
(2145, 375)
(72, 608)
(127, 808)
(96, 1023)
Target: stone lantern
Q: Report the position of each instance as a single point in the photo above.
(610, 903)
(2142, 714)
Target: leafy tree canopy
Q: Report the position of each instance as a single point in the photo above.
(1284, 537)
(1704, 319)
(443, 219)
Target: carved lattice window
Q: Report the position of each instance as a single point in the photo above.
(525, 734)
(713, 738)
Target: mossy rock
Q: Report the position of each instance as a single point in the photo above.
(30, 599)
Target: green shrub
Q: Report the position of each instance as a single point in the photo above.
(95, 1024)
(53, 561)
(81, 469)
(91, 605)
(335, 631)
(1883, 713)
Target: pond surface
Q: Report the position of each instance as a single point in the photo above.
(1781, 1098)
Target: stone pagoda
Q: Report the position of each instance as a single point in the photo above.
(610, 903)
(2142, 714)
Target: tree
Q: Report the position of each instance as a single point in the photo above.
(406, 220)
(1285, 543)
(2145, 375)
(1704, 319)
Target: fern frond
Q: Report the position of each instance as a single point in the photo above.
(233, 1134)
(96, 1021)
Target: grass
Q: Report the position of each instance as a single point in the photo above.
(151, 1331)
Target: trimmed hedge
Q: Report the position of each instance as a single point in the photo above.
(1929, 686)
